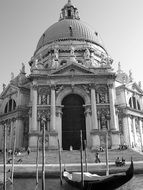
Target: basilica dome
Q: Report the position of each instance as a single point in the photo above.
(69, 27)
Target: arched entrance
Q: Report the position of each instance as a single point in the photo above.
(73, 120)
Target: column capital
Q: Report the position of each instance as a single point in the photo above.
(34, 86)
(110, 86)
(59, 111)
(43, 114)
(92, 86)
(2, 122)
(87, 110)
(13, 119)
(53, 87)
(59, 88)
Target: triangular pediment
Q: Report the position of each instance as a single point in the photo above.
(135, 87)
(9, 90)
(72, 68)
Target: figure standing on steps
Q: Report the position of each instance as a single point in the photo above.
(97, 159)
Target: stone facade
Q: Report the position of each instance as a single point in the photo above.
(71, 87)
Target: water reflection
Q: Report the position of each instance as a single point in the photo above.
(51, 184)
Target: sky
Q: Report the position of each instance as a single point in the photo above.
(118, 22)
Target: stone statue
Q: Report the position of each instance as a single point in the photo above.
(140, 84)
(103, 121)
(56, 53)
(23, 68)
(130, 76)
(102, 98)
(44, 99)
(12, 75)
(119, 67)
(4, 86)
(87, 54)
(72, 51)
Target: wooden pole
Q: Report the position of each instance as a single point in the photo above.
(60, 162)
(106, 153)
(43, 157)
(81, 157)
(4, 157)
(86, 167)
(37, 159)
(13, 157)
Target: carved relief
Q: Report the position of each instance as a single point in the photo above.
(44, 96)
(102, 95)
(59, 88)
(87, 54)
(103, 114)
(43, 117)
(86, 88)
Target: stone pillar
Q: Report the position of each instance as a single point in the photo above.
(59, 123)
(94, 109)
(88, 124)
(135, 133)
(53, 109)
(126, 130)
(33, 134)
(129, 134)
(13, 132)
(113, 120)
(19, 132)
(141, 132)
(34, 108)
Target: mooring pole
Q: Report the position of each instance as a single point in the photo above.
(81, 157)
(60, 162)
(4, 157)
(107, 164)
(37, 159)
(43, 157)
(86, 167)
(13, 157)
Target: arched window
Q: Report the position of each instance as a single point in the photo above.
(134, 103)
(10, 106)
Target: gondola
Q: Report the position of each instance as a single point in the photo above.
(93, 181)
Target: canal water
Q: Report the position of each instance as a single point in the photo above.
(54, 184)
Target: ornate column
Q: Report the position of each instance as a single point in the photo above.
(141, 132)
(135, 134)
(34, 108)
(33, 134)
(95, 131)
(13, 121)
(53, 109)
(88, 124)
(113, 121)
(126, 130)
(93, 108)
(59, 123)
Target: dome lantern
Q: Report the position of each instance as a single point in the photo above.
(69, 12)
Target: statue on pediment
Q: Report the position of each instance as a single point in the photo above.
(56, 53)
(4, 86)
(87, 54)
(12, 75)
(72, 51)
(130, 76)
(22, 69)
